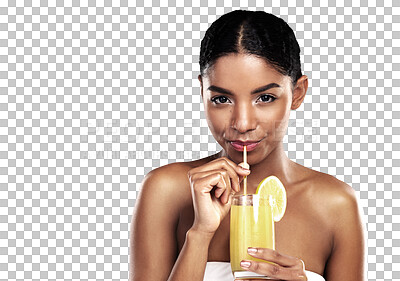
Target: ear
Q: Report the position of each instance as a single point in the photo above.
(299, 92)
(201, 84)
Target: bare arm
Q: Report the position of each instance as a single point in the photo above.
(154, 249)
(347, 260)
(153, 243)
(210, 208)
(193, 257)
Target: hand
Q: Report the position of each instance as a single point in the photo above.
(283, 267)
(212, 186)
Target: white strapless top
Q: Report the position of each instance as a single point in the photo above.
(221, 271)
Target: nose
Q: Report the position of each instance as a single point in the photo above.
(244, 118)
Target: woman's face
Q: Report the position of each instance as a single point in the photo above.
(247, 102)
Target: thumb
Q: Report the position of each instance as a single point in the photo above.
(243, 170)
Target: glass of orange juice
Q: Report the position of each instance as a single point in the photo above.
(252, 225)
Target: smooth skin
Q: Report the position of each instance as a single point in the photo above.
(181, 218)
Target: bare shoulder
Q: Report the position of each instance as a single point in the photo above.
(332, 197)
(330, 208)
(168, 178)
(170, 182)
(339, 193)
(327, 195)
(164, 193)
(338, 204)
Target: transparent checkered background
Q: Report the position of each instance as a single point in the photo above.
(95, 94)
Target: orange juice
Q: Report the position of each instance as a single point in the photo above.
(252, 225)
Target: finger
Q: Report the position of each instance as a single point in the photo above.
(227, 192)
(232, 178)
(240, 169)
(244, 165)
(222, 162)
(207, 183)
(274, 270)
(224, 192)
(274, 256)
(226, 180)
(220, 189)
(234, 171)
(217, 180)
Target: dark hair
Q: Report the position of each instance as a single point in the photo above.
(252, 32)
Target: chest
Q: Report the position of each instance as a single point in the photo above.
(302, 233)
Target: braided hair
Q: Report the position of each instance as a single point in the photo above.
(252, 32)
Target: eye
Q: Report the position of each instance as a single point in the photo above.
(266, 98)
(219, 99)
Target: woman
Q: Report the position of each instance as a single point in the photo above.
(250, 80)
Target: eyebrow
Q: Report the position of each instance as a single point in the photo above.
(220, 90)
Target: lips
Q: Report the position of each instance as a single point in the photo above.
(239, 145)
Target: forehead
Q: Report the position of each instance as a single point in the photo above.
(243, 70)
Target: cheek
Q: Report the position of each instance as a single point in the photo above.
(277, 121)
(217, 121)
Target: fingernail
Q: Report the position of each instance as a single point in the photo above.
(251, 250)
(245, 264)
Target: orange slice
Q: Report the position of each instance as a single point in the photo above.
(273, 190)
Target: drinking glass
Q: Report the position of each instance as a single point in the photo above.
(252, 225)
